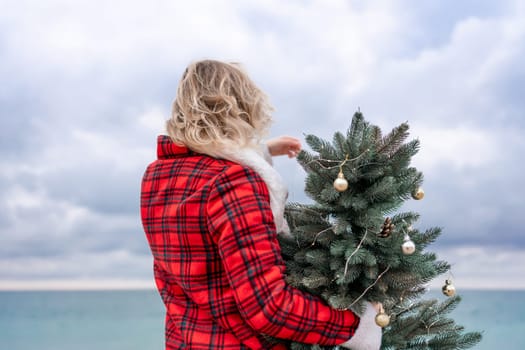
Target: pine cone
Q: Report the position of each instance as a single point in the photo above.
(386, 228)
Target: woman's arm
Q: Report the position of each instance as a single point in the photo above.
(240, 216)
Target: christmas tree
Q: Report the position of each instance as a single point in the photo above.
(351, 246)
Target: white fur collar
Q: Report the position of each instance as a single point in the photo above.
(278, 192)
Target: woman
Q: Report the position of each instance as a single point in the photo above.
(212, 207)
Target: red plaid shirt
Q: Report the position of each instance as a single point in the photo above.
(217, 261)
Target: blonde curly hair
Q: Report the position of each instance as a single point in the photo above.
(218, 107)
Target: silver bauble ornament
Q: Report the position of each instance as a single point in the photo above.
(408, 247)
(448, 289)
(340, 184)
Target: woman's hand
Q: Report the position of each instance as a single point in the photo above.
(284, 145)
(368, 335)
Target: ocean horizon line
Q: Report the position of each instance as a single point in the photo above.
(76, 285)
(143, 285)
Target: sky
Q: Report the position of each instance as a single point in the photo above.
(87, 85)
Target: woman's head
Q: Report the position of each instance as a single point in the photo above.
(218, 106)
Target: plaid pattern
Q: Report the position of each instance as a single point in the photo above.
(217, 261)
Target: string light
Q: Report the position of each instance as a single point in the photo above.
(369, 287)
(340, 164)
(355, 251)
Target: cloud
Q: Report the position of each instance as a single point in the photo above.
(456, 98)
(457, 147)
(472, 266)
(86, 87)
(47, 226)
(48, 239)
(117, 264)
(81, 284)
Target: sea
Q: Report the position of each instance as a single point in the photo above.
(133, 320)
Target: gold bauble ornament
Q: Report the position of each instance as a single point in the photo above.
(382, 319)
(408, 247)
(340, 184)
(448, 289)
(418, 193)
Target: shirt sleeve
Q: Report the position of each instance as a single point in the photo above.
(239, 215)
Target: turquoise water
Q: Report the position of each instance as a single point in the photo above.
(95, 320)
(132, 320)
